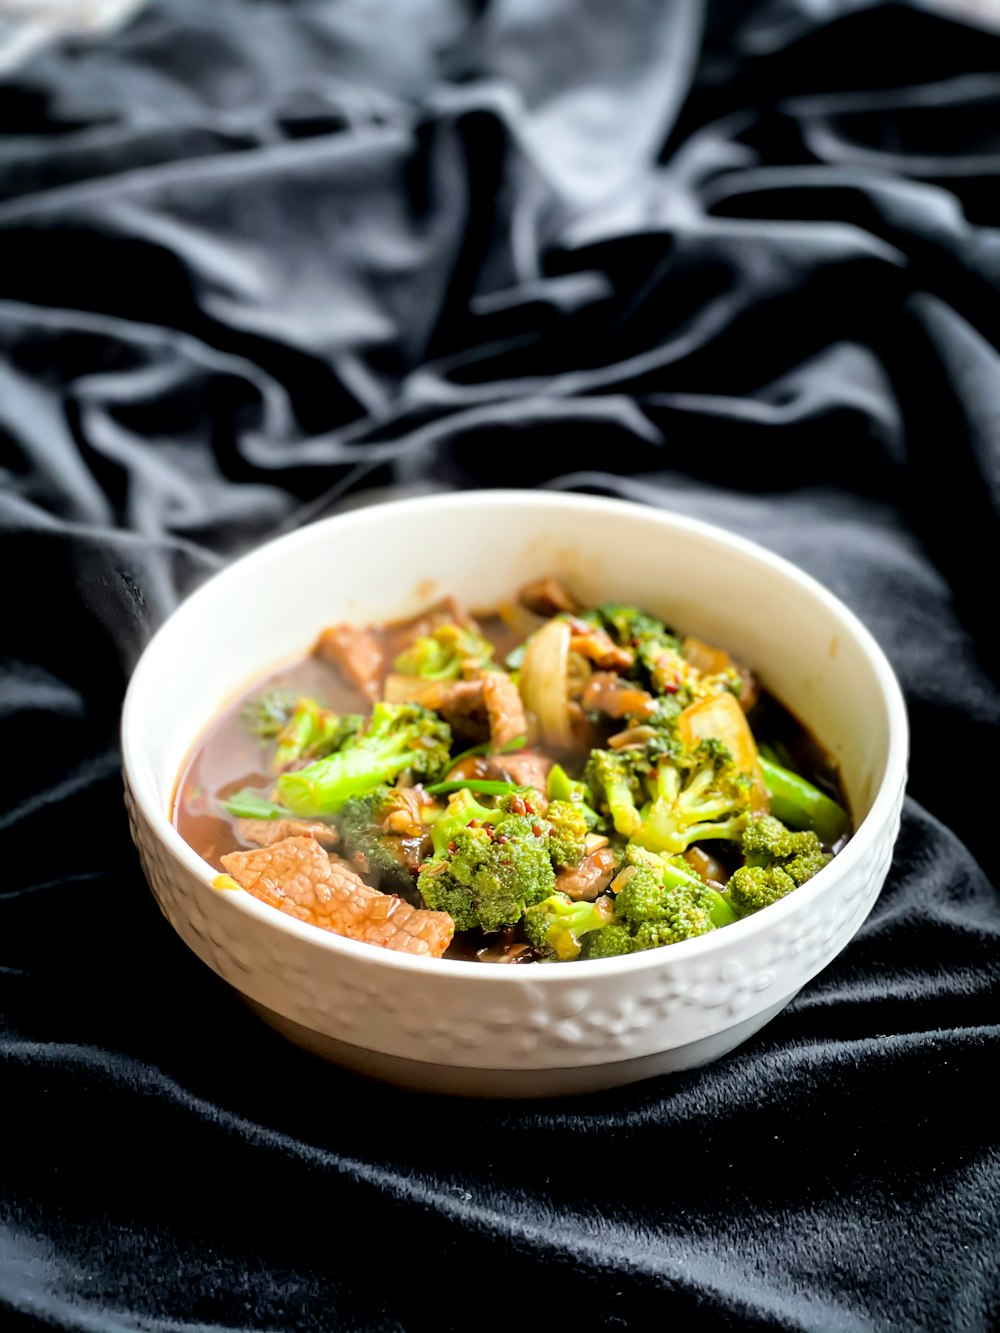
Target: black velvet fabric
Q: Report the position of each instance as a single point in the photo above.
(261, 261)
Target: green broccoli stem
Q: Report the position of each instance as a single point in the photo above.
(674, 877)
(485, 785)
(800, 805)
(561, 787)
(249, 804)
(324, 787)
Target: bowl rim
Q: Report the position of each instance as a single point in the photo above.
(864, 837)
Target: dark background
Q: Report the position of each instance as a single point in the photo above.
(262, 260)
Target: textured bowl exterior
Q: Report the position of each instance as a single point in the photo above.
(522, 1031)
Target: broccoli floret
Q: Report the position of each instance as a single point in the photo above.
(658, 914)
(609, 942)
(561, 787)
(266, 715)
(673, 872)
(396, 737)
(658, 660)
(612, 775)
(696, 795)
(489, 873)
(569, 832)
(777, 861)
(461, 810)
(441, 654)
(554, 926)
(312, 732)
(373, 829)
(632, 628)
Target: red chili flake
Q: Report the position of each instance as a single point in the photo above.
(536, 830)
(473, 823)
(452, 846)
(671, 687)
(529, 809)
(502, 837)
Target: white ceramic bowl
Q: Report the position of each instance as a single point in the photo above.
(540, 1030)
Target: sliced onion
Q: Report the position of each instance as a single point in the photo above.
(412, 690)
(544, 683)
(720, 717)
(704, 657)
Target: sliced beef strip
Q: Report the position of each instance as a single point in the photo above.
(503, 708)
(751, 687)
(266, 832)
(461, 704)
(590, 878)
(296, 876)
(547, 597)
(486, 708)
(597, 646)
(357, 653)
(607, 693)
(528, 768)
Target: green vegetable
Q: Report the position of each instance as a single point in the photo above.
(489, 873)
(612, 775)
(648, 637)
(487, 747)
(266, 715)
(369, 841)
(561, 787)
(313, 731)
(554, 926)
(249, 804)
(397, 737)
(696, 795)
(461, 810)
(673, 872)
(486, 786)
(777, 862)
(632, 628)
(569, 832)
(798, 803)
(610, 942)
(441, 654)
(662, 901)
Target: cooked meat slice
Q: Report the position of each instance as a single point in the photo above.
(608, 693)
(460, 703)
(265, 832)
(503, 708)
(750, 692)
(475, 766)
(597, 645)
(527, 768)
(709, 867)
(547, 597)
(590, 878)
(488, 707)
(357, 653)
(296, 876)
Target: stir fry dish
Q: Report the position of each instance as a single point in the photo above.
(546, 783)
